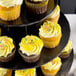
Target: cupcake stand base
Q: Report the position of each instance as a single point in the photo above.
(46, 55)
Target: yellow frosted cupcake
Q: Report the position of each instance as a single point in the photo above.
(67, 50)
(5, 72)
(27, 72)
(37, 6)
(54, 17)
(30, 48)
(51, 68)
(7, 49)
(10, 9)
(50, 33)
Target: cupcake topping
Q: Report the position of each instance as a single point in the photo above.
(10, 3)
(3, 71)
(27, 72)
(31, 45)
(55, 13)
(54, 64)
(68, 47)
(49, 29)
(6, 46)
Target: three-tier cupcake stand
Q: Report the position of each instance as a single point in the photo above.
(28, 24)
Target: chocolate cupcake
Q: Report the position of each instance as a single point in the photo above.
(30, 48)
(7, 49)
(37, 6)
(67, 50)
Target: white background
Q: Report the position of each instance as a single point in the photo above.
(72, 21)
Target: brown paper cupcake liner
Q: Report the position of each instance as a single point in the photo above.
(40, 10)
(29, 59)
(66, 55)
(37, 8)
(9, 58)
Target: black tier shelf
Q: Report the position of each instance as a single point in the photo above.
(66, 65)
(46, 55)
(26, 18)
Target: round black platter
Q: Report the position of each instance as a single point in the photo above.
(66, 65)
(26, 18)
(46, 55)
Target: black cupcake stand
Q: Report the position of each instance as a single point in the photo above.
(28, 24)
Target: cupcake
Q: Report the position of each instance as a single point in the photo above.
(5, 72)
(7, 49)
(54, 17)
(27, 72)
(10, 9)
(30, 48)
(37, 6)
(51, 68)
(50, 33)
(67, 50)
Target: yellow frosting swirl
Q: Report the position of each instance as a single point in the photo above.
(10, 3)
(52, 65)
(6, 46)
(49, 29)
(3, 71)
(27, 72)
(31, 45)
(55, 12)
(67, 48)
